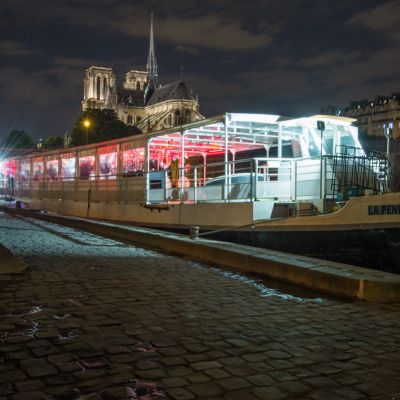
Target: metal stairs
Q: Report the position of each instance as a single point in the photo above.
(355, 175)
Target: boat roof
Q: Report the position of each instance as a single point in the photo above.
(245, 131)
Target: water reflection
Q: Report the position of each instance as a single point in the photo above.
(271, 288)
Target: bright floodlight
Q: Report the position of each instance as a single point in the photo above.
(86, 122)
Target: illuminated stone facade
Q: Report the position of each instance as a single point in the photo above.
(372, 115)
(141, 100)
(169, 105)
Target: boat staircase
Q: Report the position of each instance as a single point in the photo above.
(355, 175)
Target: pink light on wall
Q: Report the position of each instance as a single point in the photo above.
(25, 171)
(133, 160)
(38, 169)
(8, 168)
(68, 168)
(52, 169)
(87, 166)
(108, 164)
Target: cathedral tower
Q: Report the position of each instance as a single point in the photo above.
(152, 69)
(99, 88)
(141, 100)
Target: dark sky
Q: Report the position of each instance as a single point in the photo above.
(287, 57)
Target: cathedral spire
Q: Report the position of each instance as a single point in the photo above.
(151, 60)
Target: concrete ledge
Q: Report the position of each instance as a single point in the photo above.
(10, 264)
(334, 278)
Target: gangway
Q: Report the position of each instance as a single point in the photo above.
(355, 174)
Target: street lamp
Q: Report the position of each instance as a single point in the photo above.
(86, 124)
(321, 128)
(387, 130)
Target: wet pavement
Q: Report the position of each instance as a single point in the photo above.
(95, 318)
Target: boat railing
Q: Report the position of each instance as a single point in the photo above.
(354, 173)
(251, 179)
(283, 179)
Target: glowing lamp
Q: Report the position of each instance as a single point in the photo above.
(86, 124)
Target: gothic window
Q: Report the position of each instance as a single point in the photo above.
(138, 85)
(170, 120)
(105, 84)
(138, 119)
(187, 115)
(177, 117)
(129, 120)
(98, 88)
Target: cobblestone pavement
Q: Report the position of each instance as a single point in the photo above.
(94, 318)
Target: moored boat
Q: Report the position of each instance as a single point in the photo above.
(254, 178)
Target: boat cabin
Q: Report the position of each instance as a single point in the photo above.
(228, 158)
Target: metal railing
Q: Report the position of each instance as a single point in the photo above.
(244, 180)
(354, 173)
(254, 179)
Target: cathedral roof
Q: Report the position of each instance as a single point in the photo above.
(174, 90)
(132, 98)
(171, 91)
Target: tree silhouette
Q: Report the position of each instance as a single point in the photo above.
(19, 140)
(103, 125)
(53, 143)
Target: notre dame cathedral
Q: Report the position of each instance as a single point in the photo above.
(141, 101)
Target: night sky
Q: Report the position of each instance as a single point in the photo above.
(267, 56)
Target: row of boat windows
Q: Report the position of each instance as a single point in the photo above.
(132, 162)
